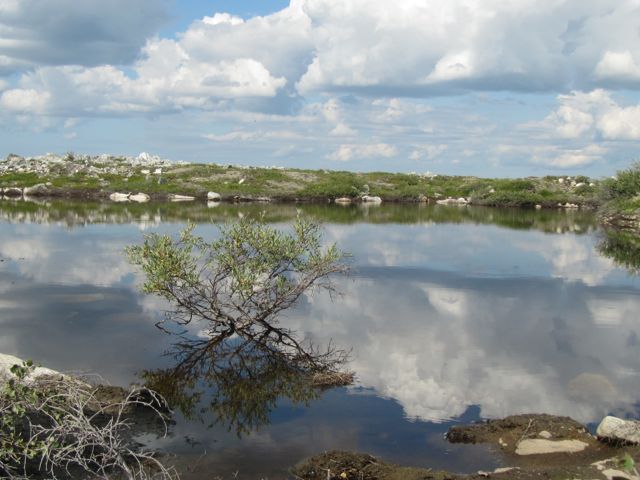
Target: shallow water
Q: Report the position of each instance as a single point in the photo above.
(452, 314)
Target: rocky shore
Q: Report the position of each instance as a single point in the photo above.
(533, 446)
(149, 178)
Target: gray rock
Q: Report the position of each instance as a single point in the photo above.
(13, 192)
(616, 429)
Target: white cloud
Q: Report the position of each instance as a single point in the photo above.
(349, 152)
(568, 158)
(618, 65)
(428, 151)
(241, 135)
(342, 130)
(25, 100)
(588, 114)
(620, 123)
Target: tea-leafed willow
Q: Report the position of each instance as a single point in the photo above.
(240, 283)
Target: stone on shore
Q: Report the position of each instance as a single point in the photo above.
(214, 197)
(140, 197)
(13, 192)
(613, 429)
(181, 198)
(539, 446)
(453, 201)
(371, 199)
(35, 190)
(343, 200)
(119, 197)
(8, 361)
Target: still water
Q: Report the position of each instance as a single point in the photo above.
(451, 314)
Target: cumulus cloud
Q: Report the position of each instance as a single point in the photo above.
(568, 158)
(67, 32)
(347, 152)
(422, 48)
(589, 115)
(427, 151)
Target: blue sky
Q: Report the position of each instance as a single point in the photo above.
(481, 87)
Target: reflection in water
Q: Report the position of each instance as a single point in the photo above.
(151, 215)
(452, 311)
(240, 382)
(623, 247)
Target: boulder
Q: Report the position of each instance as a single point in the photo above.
(36, 190)
(343, 200)
(8, 361)
(214, 197)
(615, 429)
(140, 197)
(13, 192)
(540, 446)
(371, 199)
(453, 201)
(119, 197)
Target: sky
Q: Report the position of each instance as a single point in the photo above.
(478, 87)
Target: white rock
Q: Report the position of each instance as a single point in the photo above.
(371, 199)
(8, 361)
(453, 201)
(613, 428)
(213, 196)
(181, 198)
(241, 181)
(343, 200)
(544, 434)
(145, 172)
(119, 197)
(140, 197)
(157, 171)
(581, 184)
(538, 446)
(561, 180)
(538, 207)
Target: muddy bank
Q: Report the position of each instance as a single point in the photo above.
(533, 446)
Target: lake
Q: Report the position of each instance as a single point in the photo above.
(452, 314)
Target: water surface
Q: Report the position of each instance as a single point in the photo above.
(452, 314)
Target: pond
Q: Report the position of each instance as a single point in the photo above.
(451, 314)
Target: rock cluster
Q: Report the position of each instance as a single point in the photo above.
(90, 165)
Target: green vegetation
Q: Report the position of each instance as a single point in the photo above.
(298, 184)
(621, 194)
